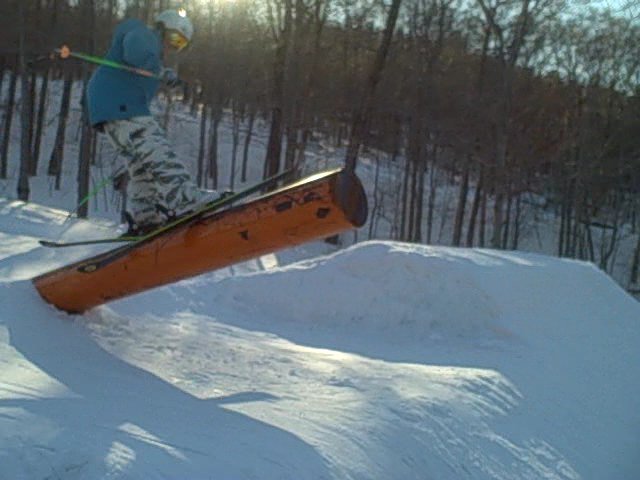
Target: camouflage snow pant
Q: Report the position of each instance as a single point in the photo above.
(156, 176)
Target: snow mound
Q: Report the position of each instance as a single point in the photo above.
(395, 290)
(403, 291)
(498, 365)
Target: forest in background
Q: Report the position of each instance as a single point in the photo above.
(510, 97)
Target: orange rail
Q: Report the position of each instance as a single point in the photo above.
(315, 207)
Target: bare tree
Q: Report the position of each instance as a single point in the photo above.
(42, 107)
(8, 119)
(462, 202)
(362, 115)
(57, 152)
(202, 145)
(25, 113)
(85, 158)
(247, 143)
(511, 24)
(281, 26)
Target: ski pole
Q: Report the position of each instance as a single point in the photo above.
(95, 191)
(65, 52)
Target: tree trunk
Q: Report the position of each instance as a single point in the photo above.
(292, 147)
(42, 107)
(462, 204)
(609, 245)
(8, 119)
(405, 198)
(413, 158)
(634, 277)
(483, 219)
(498, 219)
(432, 196)
(3, 70)
(477, 197)
(412, 198)
(575, 227)
(31, 115)
(302, 148)
(563, 221)
(376, 200)
(84, 162)
(274, 147)
(216, 117)
(57, 154)
(235, 133)
(422, 171)
(202, 147)
(25, 113)
(86, 139)
(516, 223)
(507, 222)
(247, 144)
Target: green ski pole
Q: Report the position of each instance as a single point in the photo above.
(95, 191)
(65, 52)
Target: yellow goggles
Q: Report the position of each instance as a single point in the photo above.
(177, 40)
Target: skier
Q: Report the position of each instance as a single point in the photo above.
(160, 187)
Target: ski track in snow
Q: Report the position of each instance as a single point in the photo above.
(383, 360)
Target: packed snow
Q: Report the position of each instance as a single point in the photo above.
(383, 360)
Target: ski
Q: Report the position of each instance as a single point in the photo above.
(98, 241)
(211, 207)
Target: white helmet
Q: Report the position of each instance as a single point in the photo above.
(176, 20)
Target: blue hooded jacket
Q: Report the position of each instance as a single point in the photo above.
(114, 94)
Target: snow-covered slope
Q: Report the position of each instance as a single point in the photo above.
(384, 360)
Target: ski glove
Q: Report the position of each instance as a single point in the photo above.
(170, 77)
